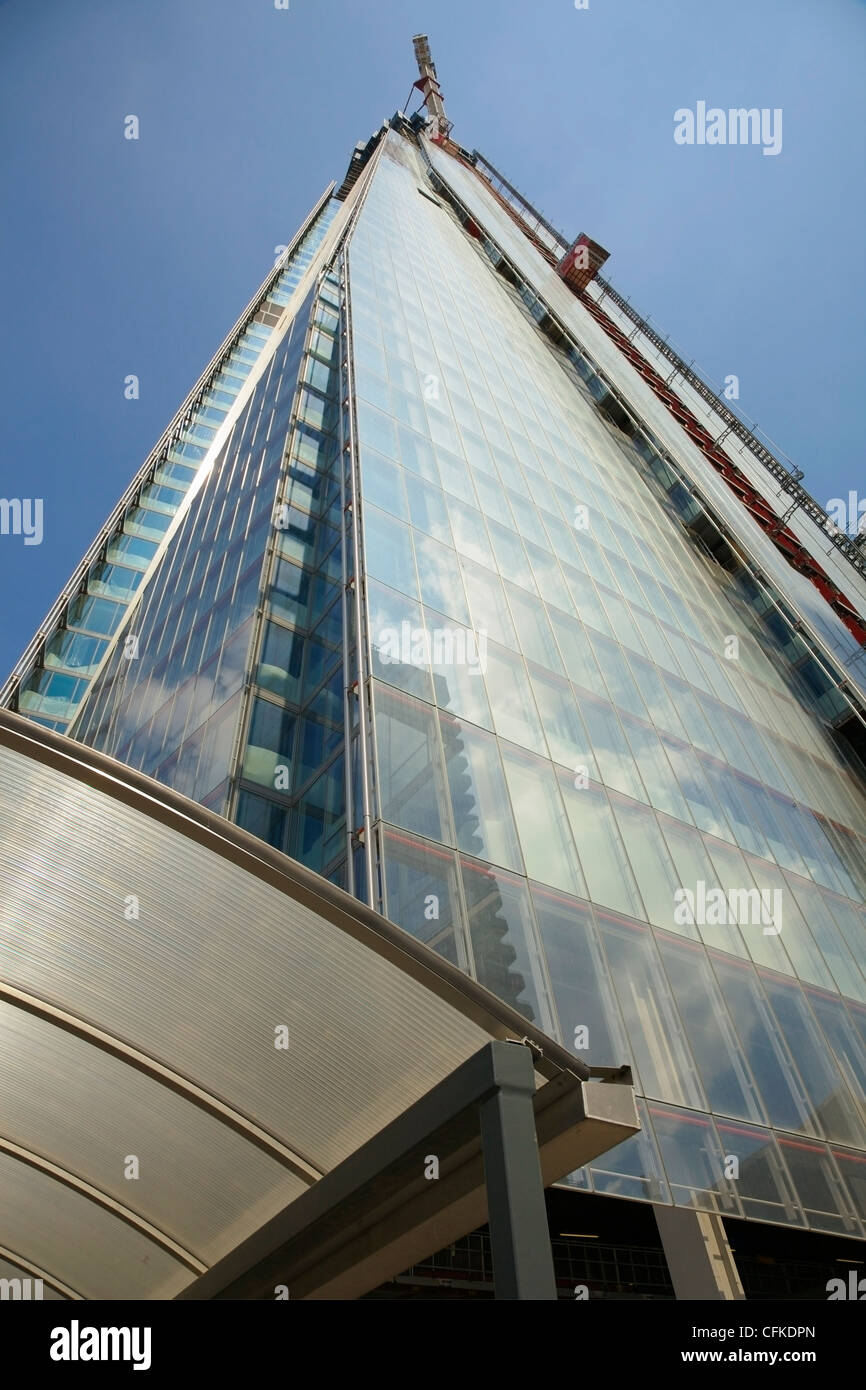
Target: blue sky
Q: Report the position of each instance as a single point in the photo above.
(136, 256)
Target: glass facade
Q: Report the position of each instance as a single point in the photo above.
(612, 725)
(170, 700)
(436, 627)
(54, 691)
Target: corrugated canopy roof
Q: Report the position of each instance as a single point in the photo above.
(149, 954)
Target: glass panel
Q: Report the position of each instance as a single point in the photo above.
(654, 768)
(849, 1052)
(317, 826)
(588, 1014)
(547, 845)
(821, 1193)
(780, 911)
(694, 1161)
(761, 1181)
(441, 585)
(270, 746)
(564, 729)
(832, 1103)
(427, 509)
(651, 862)
(97, 615)
(388, 550)
(422, 894)
(602, 855)
(279, 669)
(500, 929)
(852, 923)
(817, 907)
(397, 640)
(620, 682)
(382, 483)
(853, 1169)
(703, 805)
(667, 1071)
(470, 535)
(412, 790)
(723, 1071)
(262, 818)
(534, 632)
(514, 714)
(610, 745)
(763, 1044)
(479, 796)
(490, 612)
(74, 652)
(745, 924)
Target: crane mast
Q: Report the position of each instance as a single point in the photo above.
(428, 85)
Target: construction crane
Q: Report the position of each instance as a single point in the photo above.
(428, 85)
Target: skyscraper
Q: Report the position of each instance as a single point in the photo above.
(452, 582)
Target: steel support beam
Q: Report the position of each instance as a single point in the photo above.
(522, 1258)
(480, 1146)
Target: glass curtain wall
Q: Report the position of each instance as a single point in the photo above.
(53, 694)
(603, 785)
(292, 775)
(168, 700)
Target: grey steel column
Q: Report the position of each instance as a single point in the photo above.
(522, 1258)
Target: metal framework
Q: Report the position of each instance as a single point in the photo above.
(787, 478)
(480, 1146)
(428, 85)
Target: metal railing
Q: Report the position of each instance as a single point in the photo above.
(787, 478)
(538, 220)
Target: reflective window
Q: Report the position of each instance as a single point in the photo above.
(762, 1184)
(832, 1103)
(822, 1195)
(501, 932)
(270, 745)
(548, 849)
(694, 1161)
(720, 1062)
(411, 777)
(388, 549)
(661, 1053)
(633, 1168)
(763, 1044)
(480, 804)
(422, 894)
(441, 585)
(588, 1014)
(514, 714)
